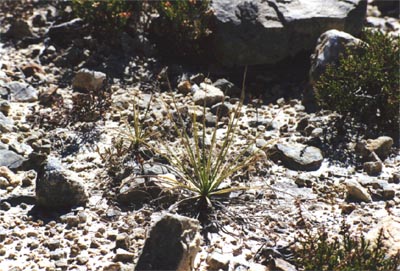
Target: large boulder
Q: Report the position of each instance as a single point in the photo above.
(172, 244)
(268, 31)
(58, 187)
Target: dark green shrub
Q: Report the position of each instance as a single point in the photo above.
(183, 27)
(345, 252)
(365, 84)
(108, 15)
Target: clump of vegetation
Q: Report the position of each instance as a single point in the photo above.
(90, 106)
(132, 144)
(346, 252)
(365, 83)
(203, 163)
(108, 15)
(183, 26)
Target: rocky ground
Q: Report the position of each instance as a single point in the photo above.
(307, 173)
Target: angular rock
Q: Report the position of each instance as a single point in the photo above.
(87, 80)
(136, 190)
(4, 107)
(63, 34)
(222, 109)
(58, 188)
(381, 146)
(227, 87)
(296, 156)
(330, 45)
(19, 29)
(123, 256)
(208, 95)
(217, 261)
(10, 159)
(184, 87)
(8, 177)
(22, 92)
(6, 125)
(172, 244)
(283, 265)
(373, 168)
(356, 192)
(266, 32)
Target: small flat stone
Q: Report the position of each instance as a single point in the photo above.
(296, 156)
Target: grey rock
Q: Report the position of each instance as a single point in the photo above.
(222, 109)
(356, 192)
(22, 92)
(6, 125)
(173, 243)
(3, 146)
(58, 188)
(135, 190)
(88, 80)
(197, 78)
(10, 159)
(208, 95)
(19, 29)
(330, 45)
(265, 32)
(64, 33)
(296, 156)
(227, 87)
(283, 265)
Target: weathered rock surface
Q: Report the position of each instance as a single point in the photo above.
(22, 92)
(64, 33)
(380, 146)
(265, 32)
(356, 192)
(88, 80)
(208, 95)
(329, 46)
(10, 159)
(6, 125)
(19, 29)
(172, 244)
(296, 156)
(57, 187)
